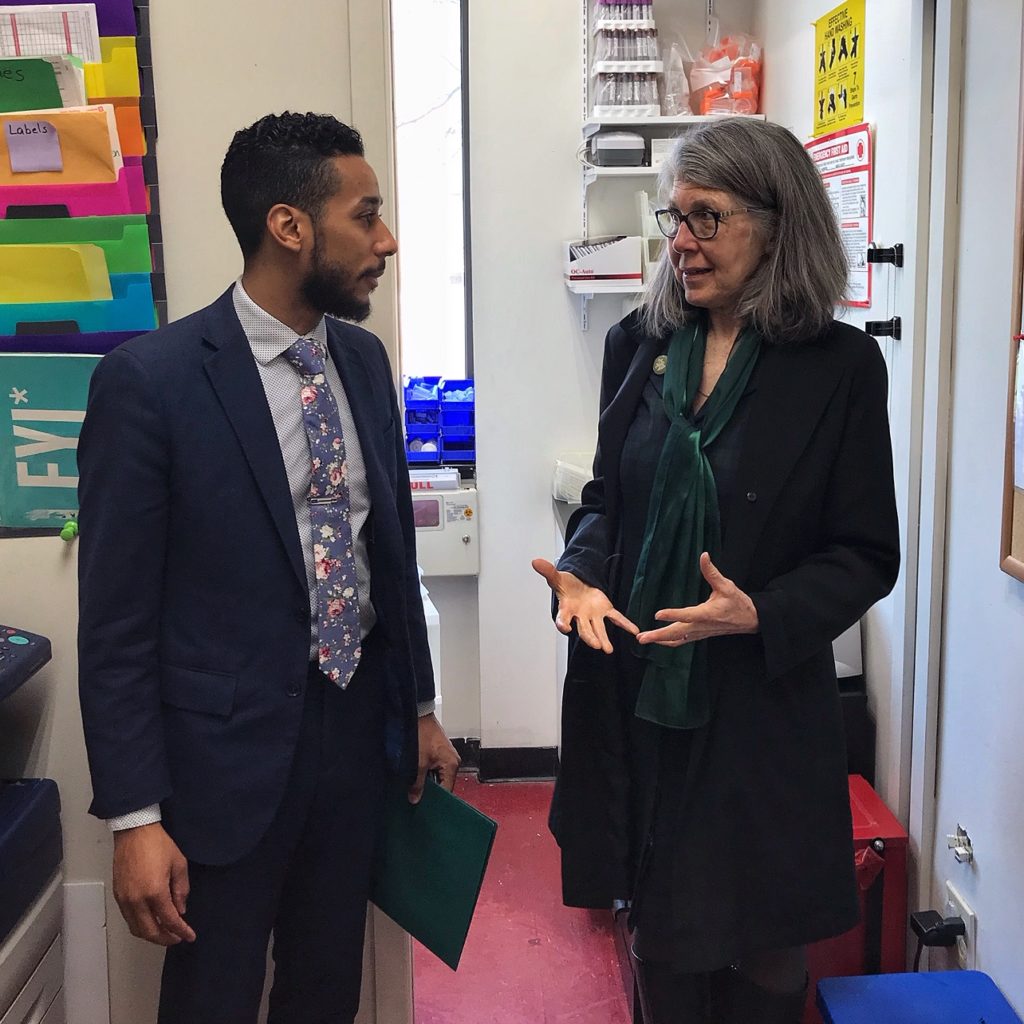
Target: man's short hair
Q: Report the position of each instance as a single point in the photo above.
(282, 158)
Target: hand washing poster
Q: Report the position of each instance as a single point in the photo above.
(839, 68)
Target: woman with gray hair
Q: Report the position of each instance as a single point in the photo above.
(742, 516)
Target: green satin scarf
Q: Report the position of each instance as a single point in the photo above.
(682, 522)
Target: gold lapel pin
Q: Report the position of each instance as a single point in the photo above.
(660, 365)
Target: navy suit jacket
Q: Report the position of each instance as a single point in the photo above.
(194, 624)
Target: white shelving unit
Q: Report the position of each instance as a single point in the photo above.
(592, 125)
(588, 289)
(643, 118)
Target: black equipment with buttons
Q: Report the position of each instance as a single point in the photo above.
(22, 654)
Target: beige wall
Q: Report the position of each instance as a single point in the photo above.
(247, 60)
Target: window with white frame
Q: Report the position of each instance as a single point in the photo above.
(433, 290)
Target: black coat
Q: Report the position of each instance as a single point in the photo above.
(811, 535)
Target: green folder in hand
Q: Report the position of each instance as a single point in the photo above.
(430, 866)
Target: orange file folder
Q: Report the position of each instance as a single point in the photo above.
(86, 151)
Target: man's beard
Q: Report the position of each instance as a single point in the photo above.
(327, 288)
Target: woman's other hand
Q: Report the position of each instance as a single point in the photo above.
(586, 605)
(726, 612)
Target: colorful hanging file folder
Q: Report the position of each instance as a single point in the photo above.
(114, 17)
(96, 343)
(430, 866)
(130, 309)
(53, 273)
(118, 73)
(69, 146)
(28, 83)
(126, 195)
(124, 240)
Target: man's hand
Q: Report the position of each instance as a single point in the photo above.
(436, 754)
(586, 605)
(151, 885)
(727, 612)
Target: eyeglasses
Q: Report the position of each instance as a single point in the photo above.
(702, 224)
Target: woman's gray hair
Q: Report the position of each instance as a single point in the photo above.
(792, 294)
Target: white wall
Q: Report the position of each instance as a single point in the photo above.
(981, 731)
(536, 375)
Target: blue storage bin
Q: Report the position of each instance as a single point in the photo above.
(422, 432)
(422, 418)
(460, 417)
(422, 458)
(457, 412)
(421, 404)
(454, 385)
(458, 445)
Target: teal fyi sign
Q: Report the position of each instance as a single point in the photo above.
(43, 402)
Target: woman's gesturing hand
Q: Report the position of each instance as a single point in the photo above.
(586, 605)
(727, 611)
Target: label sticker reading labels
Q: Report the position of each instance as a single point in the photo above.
(33, 146)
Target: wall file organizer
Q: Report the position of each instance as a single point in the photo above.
(81, 267)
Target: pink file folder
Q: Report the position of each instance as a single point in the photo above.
(98, 199)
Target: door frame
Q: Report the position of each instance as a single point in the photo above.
(942, 23)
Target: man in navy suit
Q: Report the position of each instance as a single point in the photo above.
(252, 648)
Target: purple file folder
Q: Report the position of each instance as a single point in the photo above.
(98, 344)
(115, 17)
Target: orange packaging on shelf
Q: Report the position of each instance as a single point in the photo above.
(726, 77)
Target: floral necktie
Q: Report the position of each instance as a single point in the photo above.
(329, 510)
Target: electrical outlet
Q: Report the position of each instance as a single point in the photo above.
(966, 955)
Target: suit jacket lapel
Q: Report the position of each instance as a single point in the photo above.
(792, 388)
(235, 378)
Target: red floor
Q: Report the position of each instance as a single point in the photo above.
(528, 959)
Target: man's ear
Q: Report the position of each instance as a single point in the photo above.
(288, 227)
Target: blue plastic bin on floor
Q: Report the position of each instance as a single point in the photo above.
(935, 997)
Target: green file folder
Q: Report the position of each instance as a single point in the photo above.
(28, 84)
(430, 866)
(124, 240)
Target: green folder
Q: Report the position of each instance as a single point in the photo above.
(430, 866)
(124, 240)
(28, 84)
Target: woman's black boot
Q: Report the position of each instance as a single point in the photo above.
(664, 996)
(744, 1002)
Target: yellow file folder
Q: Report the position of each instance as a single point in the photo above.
(53, 273)
(89, 151)
(118, 73)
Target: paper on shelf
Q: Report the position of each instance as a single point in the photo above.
(46, 29)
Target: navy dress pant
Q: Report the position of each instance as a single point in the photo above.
(306, 882)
